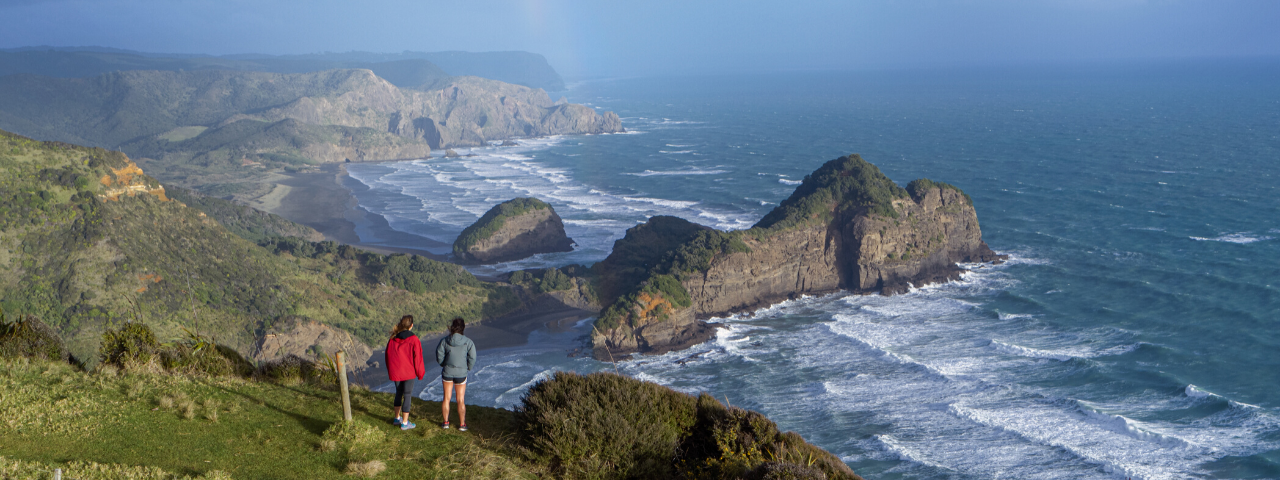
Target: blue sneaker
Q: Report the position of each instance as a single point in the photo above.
(444, 425)
(397, 421)
(407, 426)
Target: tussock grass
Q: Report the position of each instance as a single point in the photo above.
(366, 469)
(19, 469)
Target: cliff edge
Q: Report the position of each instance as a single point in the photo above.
(512, 230)
(846, 227)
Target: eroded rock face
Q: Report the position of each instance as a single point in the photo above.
(859, 249)
(513, 230)
(311, 340)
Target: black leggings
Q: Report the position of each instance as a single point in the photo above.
(404, 395)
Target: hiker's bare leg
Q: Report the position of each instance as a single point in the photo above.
(444, 405)
(462, 405)
(397, 414)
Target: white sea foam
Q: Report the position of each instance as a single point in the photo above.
(1061, 354)
(1241, 238)
(789, 182)
(650, 173)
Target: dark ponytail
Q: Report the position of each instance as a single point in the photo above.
(458, 326)
(406, 322)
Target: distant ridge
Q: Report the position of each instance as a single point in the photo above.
(417, 70)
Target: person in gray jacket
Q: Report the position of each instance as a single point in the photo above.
(456, 354)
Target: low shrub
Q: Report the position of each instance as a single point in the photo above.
(730, 443)
(133, 346)
(28, 337)
(605, 425)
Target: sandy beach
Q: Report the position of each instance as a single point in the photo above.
(323, 200)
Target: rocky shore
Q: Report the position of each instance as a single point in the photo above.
(847, 227)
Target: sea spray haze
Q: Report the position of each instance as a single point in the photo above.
(1131, 333)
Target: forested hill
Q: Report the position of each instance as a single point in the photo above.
(88, 240)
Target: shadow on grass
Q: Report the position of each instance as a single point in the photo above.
(312, 424)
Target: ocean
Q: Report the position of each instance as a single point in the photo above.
(1134, 332)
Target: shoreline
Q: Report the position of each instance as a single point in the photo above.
(325, 201)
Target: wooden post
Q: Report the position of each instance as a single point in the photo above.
(342, 383)
(57, 474)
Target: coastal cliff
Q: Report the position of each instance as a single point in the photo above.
(846, 227)
(218, 131)
(512, 230)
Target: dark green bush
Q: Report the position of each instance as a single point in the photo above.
(30, 338)
(605, 425)
(419, 274)
(544, 280)
(784, 471)
(131, 346)
(731, 443)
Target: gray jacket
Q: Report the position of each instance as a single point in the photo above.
(457, 354)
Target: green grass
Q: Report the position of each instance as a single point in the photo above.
(53, 415)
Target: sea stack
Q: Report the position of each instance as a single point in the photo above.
(846, 227)
(513, 230)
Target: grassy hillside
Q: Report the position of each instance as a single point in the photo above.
(83, 260)
(114, 423)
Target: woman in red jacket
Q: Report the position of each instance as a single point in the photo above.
(404, 365)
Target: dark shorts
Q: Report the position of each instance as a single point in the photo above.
(455, 380)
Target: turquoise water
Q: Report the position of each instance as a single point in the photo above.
(1133, 333)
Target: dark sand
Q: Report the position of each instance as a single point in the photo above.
(323, 201)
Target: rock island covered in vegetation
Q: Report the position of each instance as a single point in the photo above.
(512, 230)
(846, 227)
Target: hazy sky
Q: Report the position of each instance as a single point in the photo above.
(606, 37)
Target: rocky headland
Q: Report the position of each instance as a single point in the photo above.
(512, 230)
(209, 128)
(846, 227)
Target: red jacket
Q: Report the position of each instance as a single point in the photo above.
(404, 357)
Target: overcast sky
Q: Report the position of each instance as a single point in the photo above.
(607, 38)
